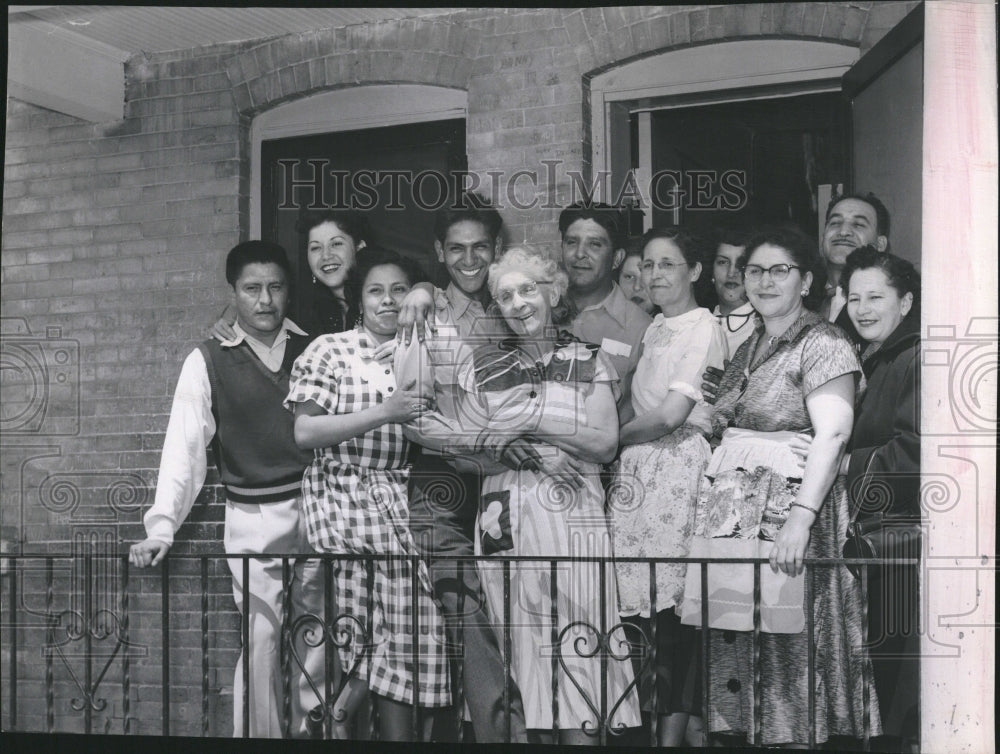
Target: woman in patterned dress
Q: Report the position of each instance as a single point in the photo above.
(349, 409)
(796, 373)
(664, 452)
(543, 384)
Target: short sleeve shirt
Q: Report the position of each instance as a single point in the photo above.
(769, 395)
(617, 326)
(675, 353)
(337, 372)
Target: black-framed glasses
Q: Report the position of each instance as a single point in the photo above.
(778, 272)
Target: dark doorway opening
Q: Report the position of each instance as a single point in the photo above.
(393, 175)
(760, 160)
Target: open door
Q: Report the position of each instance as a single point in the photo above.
(884, 92)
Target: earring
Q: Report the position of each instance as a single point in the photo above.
(360, 320)
(314, 280)
(805, 292)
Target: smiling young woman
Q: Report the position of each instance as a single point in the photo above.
(349, 409)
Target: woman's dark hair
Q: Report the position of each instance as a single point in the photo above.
(376, 256)
(803, 252)
(901, 275)
(731, 233)
(694, 249)
(350, 222)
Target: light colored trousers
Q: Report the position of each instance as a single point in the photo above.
(275, 528)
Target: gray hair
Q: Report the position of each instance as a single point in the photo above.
(539, 268)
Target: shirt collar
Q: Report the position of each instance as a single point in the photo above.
(615, 304)
(806, 319)
(287, 326)
(740, 310)
(459, 301)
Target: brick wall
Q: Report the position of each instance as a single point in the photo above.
(113, 242)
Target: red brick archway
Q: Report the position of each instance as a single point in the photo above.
(406, 51)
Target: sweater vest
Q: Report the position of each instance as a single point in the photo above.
(254, 443)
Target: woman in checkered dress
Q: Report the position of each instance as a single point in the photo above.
(349, 409)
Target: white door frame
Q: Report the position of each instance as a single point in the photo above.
(741, 66)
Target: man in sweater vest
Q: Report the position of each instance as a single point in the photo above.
(229, 395)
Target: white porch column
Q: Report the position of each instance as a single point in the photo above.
(959, 375)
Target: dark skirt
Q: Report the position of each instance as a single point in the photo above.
(676, 666)
(894, 647)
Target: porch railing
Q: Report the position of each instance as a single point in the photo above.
(73, 616)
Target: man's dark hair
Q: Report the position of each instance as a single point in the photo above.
(468, 206)
(881, 213)
(255, 252)
(612, 219)
(349, 221)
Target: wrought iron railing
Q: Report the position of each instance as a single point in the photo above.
(74, 613)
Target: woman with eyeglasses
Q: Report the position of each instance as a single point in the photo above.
(664, 451)
(796, 374)
(544, 384)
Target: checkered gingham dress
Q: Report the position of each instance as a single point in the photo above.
(355, 502)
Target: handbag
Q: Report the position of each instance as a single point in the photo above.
(881, 538)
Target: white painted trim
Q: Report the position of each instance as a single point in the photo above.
(645, 160)
(959, 378)
(64, 71)
(816, 66)
(348, 109)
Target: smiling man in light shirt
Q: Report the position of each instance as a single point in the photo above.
(444, 486)
(593, 248)
(229, 395)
